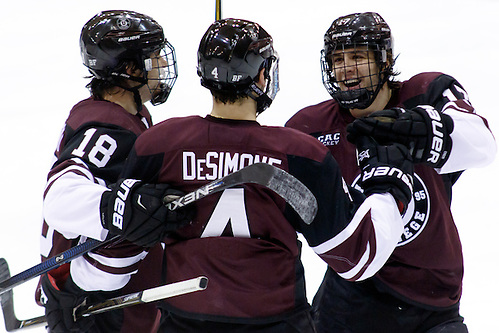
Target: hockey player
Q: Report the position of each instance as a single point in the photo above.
(130, 63)
(419, 288)
(244, 239)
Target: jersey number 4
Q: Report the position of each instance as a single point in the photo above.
(231, 209)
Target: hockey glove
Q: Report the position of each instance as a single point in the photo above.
(385, 169)
(424, 130)
(137, 211)
(59, 305)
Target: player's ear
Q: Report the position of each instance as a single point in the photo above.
(261, 79)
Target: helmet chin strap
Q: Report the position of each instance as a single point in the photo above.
(136, 95)
(134, 90)
(361, 98)
(137, 98)
(263, 101)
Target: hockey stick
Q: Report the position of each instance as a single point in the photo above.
(85, 310)
(294, 192)
(145, 296)
(218, 10)
(297, 195)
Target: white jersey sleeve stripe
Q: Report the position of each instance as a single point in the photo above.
(345, 233)
(388, 228)
(117, 262)
(83, 218)
(90, 278)
(356, 269)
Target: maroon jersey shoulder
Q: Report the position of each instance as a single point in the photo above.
(419, 83)
(426, 88)
(195, 131)
(327, 123)
(311, 119)
(90, 111)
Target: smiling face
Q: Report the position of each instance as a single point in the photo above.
(356, 78)
(354, 68)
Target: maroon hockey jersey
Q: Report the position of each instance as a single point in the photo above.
(427, 265)
(95, 142)
(244, 239)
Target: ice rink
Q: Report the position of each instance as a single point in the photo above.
(42, 78)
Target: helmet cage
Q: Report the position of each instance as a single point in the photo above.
(165, 65)
(112, 40)
(355, 33)
(358, 98)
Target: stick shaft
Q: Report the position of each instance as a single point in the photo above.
(92, 244)
(145, 296)
(51, 263)
(218, 10)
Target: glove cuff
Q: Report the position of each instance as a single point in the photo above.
(439, 127)
(104, 203)
(114, 203)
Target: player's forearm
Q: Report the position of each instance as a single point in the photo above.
(366, 243)
(473, 144)
(71, 205)
(99, 272)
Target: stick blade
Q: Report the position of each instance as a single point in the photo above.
(296, 194)
(9, 316)
(4, 270)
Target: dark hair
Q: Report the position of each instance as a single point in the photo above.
(227, 97)
(99, 87)
(392, 82)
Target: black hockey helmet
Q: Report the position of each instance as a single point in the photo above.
(112, 39)
(354, 32)
(232, 53)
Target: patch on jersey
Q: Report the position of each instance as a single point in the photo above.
(416, 217)
(329, 139)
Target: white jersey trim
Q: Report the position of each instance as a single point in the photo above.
(473, 145)
(90, 278)
(72, 203)
(118, 262)
(388, 228)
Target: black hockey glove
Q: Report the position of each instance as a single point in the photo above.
(424, 130)
(385, 169)
(59, 305)
(137, 211)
